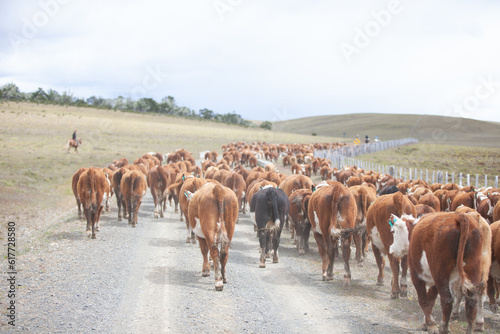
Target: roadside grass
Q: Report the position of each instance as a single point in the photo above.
(458, 159)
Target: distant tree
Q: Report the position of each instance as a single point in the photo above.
(39, 96)
(266, 125)
(11, 92)
(207, 114)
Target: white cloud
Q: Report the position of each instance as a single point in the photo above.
(263, 57)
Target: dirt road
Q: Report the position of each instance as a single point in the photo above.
(148, 280)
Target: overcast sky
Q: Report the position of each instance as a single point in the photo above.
(264, 59)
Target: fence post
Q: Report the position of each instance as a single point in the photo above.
(460, 180)
(468, 180)
(410, 175)
(485, 181)
(496, 181)
(439, 177)
(477, 181)
(427, 175)
(446, 177)
(434, 176)
(452, 177)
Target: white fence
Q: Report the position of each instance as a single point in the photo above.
(344, 157)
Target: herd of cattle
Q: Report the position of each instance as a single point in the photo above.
(448, 236)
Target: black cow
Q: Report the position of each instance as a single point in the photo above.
(388, 190)
(271, 207)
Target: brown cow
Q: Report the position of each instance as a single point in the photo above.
(116, 183)
(213, 211)
(332, 213)
(423, 209)
(158, 181)
(496, 212)
(494, 275)
(379, 231)
(236, 182)
(74, 184)
(189, 187)
(133, 187)
(364, 197)
(91, 186)
(299, 203)
(295, 182)
(297, 169)
(431, 200)
(446, 249)
(463, 198)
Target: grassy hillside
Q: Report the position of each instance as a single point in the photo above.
(36, 171)
(428, 129)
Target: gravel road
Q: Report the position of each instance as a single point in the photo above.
(148, 280)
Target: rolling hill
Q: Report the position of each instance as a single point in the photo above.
(438, 130)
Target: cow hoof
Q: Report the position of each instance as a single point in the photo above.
(155, 215)
(89, 234)
(181, 219)
(134, 225)
(93, 236)
(395, 295)
(193, 241)
(455, 315)
(205, 273)
(268, 256)
(188, 240)
(403, 294)
(276, 261)
(119, 219)
(301, 252)
(224, 280)
(380, 282)
(161, 215)
(329, 277)
(219, 286)
(494, 308)
(479, 327)
(431, 329)
(262, 265)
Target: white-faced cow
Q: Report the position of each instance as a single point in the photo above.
(271, 207)
(213, 211)
(379, 231)
(445, 250)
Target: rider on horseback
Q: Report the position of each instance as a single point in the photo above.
(74, 135)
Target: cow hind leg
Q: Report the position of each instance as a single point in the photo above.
(89, 223)
(322, 252)
(346, 254)
(331, 249)
(205, 272)
(446, 307)
(380, 264)
(394, 262)
(426, 300)
(214, 254)
(359, 251)
(263, 241)
(404, 271)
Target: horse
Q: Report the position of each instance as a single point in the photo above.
(73, 143)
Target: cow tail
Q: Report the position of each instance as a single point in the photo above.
(335, 204)
(272, 200)
(135, 183)
(218, 193)
(399, 204)
(305, 206)
(466, 284)
(91, 174)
